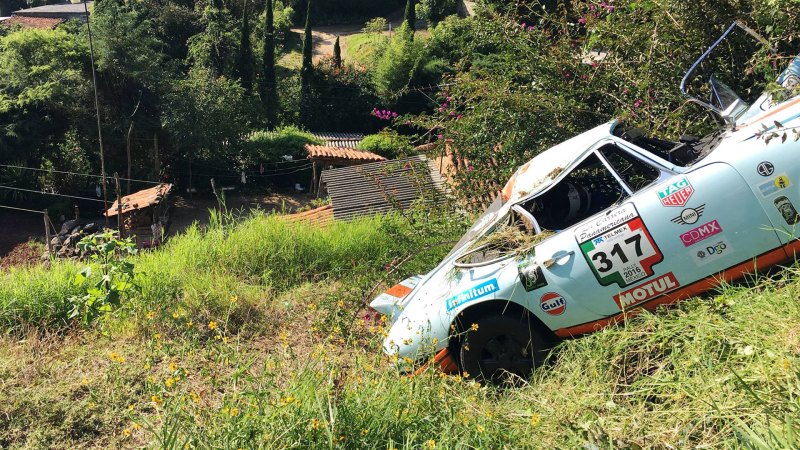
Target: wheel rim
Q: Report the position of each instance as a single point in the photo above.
(503, 353)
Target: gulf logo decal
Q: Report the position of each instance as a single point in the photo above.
(553, 304)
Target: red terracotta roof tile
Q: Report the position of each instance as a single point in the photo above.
(141, 199)
(42, 23)
(322, 152)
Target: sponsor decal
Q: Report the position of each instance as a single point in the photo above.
(531, 275)
(646, 291)
(690, 215)
(473, 293)
(776, 184)
(553, 304)
(677, 193)
(787, 210)
(711, 252)
(700, 233)
(765, 168)
(618, 247)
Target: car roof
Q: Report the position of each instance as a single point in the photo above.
(544, 169)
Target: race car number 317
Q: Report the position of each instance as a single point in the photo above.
(618, 247)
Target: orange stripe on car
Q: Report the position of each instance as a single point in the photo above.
(736, 272)
(774, 111)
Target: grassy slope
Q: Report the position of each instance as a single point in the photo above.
(254, 337)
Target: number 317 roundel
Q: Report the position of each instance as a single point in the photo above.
(618, 247)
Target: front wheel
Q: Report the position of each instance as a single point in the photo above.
(497, 347)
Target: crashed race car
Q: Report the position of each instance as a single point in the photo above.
(601, 225)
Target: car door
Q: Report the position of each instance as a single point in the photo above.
(671, 233)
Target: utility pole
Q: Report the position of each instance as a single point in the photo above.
(97, 113)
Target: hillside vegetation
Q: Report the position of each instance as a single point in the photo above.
(255, 336)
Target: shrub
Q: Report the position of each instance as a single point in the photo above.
(341, 98)
(376, 25)
(387, 143)
(397, 63)
(434, 11)
(269, 146)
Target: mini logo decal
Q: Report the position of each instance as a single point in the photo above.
(646, 291)
(765, 168)
(787, 210)
(677, 193)
(700, 233)
(690, 215)
(553, 304)
(473, 293)
(774, 185)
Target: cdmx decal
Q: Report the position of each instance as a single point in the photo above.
(473, 293)
(700, 233)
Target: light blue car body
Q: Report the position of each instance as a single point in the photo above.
(693, 225)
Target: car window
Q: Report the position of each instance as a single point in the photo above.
(635, 172)
(588, 189)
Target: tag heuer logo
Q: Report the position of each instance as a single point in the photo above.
(690, 215)
(677, 193)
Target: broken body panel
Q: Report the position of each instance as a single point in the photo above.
(641, 227)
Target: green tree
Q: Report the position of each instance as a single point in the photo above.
(306, 71)
(216, 46)
(396, 65)
(337, 53)
(244, 65)
(434, 11)
(410, 16)
(269, 93)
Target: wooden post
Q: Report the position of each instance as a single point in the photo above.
(128, 149)
(47, 232)
(119, 204)
(314, 177)
(157, 158)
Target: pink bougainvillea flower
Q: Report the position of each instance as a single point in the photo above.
(637, 103)
(582, 21)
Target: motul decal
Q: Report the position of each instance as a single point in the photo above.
(646, 291)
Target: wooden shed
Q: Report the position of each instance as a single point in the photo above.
(322, 157)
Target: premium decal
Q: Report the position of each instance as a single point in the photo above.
(646, 291)
(474, 293)
(765, 168)
(690, 216)
(787, 210)
(776, 184)
(618, 247)
(553, 304)
(677, 193)
(700, 233)
(711, 252)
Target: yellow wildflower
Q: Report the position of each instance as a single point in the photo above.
(212, 325)
(156, 400)
(169, 382)
(364, 431)
(314, 425)
(116, 357)
(536, 419)
(474, 327)
(480, 428)
(173, 367)
(151, 315)
(431, 444)
(135, 426)
(226, 339)
(126, 432)
(234, 412)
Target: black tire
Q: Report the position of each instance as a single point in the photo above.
(503, 346)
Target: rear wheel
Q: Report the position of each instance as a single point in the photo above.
(500, 346)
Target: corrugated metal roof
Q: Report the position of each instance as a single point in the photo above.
(382, 186)
(322, 152)
(343, 140)
(141, 199)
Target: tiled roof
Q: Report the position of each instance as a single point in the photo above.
(322, 152)
(42, 23)
(141, 199)
(319, 216)
(348, 140)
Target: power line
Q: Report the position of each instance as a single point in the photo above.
(73, 173)
(22, 209)
(52, 193)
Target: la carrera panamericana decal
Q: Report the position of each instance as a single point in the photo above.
(553, 304)
(646, 291)
(618, 247)
(676, 193)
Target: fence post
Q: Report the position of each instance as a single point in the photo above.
(47, 232)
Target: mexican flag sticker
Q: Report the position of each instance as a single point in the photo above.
(622, 253)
